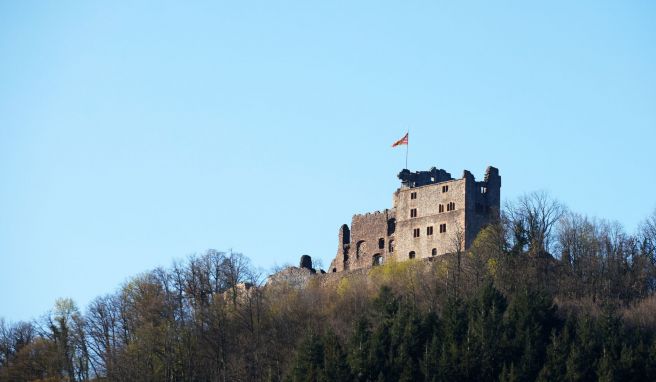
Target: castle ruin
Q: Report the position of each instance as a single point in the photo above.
(432, 214)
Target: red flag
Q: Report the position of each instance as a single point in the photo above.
(402, 141)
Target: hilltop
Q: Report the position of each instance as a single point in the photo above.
(569, 300)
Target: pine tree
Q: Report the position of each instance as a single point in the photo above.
(381, 354)
(554, 368)
(606, 368)
(508, 374)
(309, 363)
(485, 328)
(530, 319)
(454, 321)
(430, 359)
(336, 367)
(359, 350)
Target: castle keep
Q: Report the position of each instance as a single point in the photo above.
(432, 214)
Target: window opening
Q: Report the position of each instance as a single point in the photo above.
(377, 260)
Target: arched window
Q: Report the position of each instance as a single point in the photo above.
(334, 270)
(411, 255)
(377, 260)
(434, 252)
(360, 248)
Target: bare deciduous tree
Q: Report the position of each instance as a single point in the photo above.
(533, 217)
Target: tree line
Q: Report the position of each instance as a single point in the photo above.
(542, 294)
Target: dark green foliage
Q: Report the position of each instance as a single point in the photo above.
(482, 338)
(554, 368)
(358, 350)
(309, 365)
(335, 362)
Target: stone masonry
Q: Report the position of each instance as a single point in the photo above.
(432, 214)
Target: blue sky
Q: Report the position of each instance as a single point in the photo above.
(136, 133)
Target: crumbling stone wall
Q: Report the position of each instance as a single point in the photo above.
(369, 238)
(483, 203)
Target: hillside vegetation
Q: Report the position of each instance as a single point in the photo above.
(544, 294)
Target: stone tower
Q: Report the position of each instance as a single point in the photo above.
(432, 214)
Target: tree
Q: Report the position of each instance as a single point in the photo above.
(359, 348)
(485, 331)
(533, 217)
(457, 247)
(336, 367)
(66, 330)
(554, 367)
(309, 363)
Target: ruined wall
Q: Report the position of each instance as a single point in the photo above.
(483, 203)
(365, 234)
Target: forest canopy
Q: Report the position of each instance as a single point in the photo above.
(543, 294)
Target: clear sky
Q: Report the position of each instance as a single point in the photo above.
(135, 133)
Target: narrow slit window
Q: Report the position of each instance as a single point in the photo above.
(445, 188)
(413, 213)
(416, 232)
(441, 208)
(413, 195)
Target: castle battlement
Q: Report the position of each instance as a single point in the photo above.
(432, 213)
(372, 213)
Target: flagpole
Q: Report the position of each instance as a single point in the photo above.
(407, 148)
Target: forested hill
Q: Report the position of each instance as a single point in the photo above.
(544, 294)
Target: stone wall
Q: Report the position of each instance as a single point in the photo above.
(483, 203)
(427, 204)
(365, 234)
